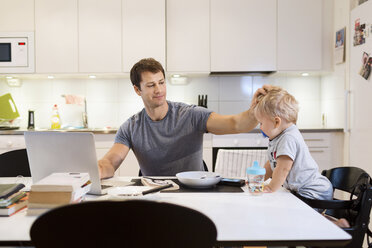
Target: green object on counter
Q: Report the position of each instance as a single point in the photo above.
(8, 109)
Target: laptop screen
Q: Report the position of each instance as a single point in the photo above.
(50, 152)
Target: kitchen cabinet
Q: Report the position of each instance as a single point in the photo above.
(299, 35)
(188, 36)
(207, 151)
(11, 142)
(326, 148)
(143, 33)
(99, 36)
(243, 35)
(17, 16)
(56, 36)
(130, 165)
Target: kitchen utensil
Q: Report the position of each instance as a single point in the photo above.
(202, 100)
(153, 190)
(135, 191)
(31, 119)
(8, 109)
(198, 179)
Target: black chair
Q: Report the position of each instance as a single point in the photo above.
(356, 211)
(14, 163)
(132, 223)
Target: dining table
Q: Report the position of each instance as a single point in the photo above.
(241, 218)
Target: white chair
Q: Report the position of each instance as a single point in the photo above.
(233, 163)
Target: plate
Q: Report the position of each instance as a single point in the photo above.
(198, 179)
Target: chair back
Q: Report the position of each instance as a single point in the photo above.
(233, 163)
(131, 223)
(346, 178)
(357, 209)
(14, 163)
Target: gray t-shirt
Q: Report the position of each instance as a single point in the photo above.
(171, 145)
(304, 176)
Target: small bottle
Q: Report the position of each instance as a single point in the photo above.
(256, 178)
(56, 120)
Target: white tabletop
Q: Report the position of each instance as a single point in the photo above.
(241, 219)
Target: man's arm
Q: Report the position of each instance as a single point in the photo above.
(229, 124)
(240, 123)
(112, 160)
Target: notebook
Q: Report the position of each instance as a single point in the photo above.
(50, 152)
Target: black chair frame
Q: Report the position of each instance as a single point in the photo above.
(14, 163)
(357, 209)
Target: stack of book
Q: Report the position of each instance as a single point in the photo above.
(57, 189)
(12, 199)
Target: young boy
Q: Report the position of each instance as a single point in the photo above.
(290, 163)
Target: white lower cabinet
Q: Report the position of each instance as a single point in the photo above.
(326, 148)
(208, 151)
(130, 165)
(11, 142)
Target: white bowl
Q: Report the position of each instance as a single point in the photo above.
(198, 179)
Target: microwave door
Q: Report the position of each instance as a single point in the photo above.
(5, 52)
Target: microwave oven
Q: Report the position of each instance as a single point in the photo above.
(17, 52)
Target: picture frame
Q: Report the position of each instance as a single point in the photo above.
(340, 38)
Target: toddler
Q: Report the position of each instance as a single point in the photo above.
(290, 163)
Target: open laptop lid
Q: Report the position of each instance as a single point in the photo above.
(50, 152)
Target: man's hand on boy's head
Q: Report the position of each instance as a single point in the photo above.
(260, 91)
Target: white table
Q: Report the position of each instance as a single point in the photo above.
(241, 219)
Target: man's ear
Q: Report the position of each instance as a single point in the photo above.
(277, 121)
(137, 90)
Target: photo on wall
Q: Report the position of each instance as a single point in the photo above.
(340, 46)
(365, 69)
(359, 33)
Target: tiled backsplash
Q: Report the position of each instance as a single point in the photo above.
(111, 101)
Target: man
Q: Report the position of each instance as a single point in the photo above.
(167, 137)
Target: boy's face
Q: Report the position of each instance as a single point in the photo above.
(270, 126)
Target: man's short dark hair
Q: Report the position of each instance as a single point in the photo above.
(148, 64)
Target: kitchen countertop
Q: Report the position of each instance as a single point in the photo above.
(92, 130)
(114, 130)
(310, 130)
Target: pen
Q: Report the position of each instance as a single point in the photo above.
(156, 189)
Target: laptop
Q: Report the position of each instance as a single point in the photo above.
(50, 152)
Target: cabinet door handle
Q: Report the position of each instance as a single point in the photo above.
(316, 151)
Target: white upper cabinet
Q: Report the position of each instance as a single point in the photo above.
(299, 35)
(188, 36)
(243, 35)
(17, 16)
(143, 31)
(100, 36)
(56, 36)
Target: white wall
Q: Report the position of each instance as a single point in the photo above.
(111, 101)
(335, 84)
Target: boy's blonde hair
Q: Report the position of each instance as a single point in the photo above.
(278, 102)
